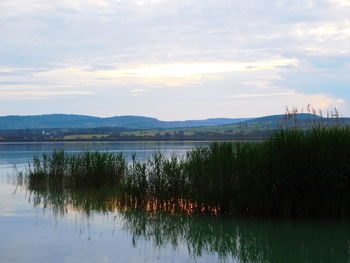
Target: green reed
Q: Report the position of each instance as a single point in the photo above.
(294, 173)
(65, 171)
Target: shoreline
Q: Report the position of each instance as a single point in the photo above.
(128, 140)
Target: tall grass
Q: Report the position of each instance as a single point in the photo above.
(61, 171)
(294, 173)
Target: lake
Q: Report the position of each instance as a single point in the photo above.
(79, 228)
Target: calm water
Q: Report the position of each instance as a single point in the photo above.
(79, 228)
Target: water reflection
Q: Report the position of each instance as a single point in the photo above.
(232, 239)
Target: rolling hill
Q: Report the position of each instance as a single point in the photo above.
(305, 120)
(83, 121)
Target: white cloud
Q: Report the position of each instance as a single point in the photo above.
(256, 95)
(322, 101)
(40, 94)
(325, 31)
(340, 3)
(165, 74)
(294, 99)
(138, 92)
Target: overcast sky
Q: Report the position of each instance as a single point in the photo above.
(173, 59)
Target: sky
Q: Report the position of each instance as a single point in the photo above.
(174, 59)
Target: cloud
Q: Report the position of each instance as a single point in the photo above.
(138, 92)
(325, 31)
(256, 95)
(322, 101)
(41, 94)
(181, 70)
(340, 3)
(294, 99)
(85, 80)
(165, 74)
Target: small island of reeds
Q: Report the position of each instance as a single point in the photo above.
(294, 173)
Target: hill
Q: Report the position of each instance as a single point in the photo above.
(273, 122)
(76, 128)
(83, 121)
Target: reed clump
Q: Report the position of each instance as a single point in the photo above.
(60, 170)
(293, 173)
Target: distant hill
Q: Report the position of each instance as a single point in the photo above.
(301, 120)
(274, 122)
(278, 121)
(60, 127)
(83, 121)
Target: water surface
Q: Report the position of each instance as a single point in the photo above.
(55, 227)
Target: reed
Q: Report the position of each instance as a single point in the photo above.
(62, 171)
(294, 173)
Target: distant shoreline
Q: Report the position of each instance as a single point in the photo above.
(129, 140)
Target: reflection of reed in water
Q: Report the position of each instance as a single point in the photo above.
(109, 200)
(241, 240)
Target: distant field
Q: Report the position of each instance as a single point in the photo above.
(155, 133)
(85, 136)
